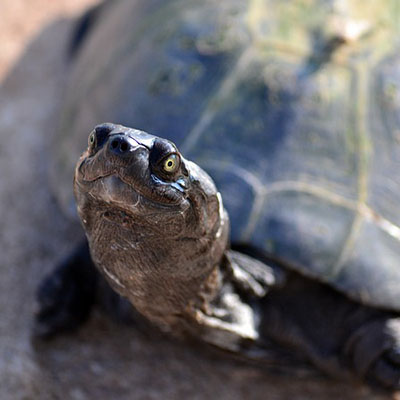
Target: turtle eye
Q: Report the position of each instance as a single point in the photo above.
(92, 140)
(164, 159)
(171, 163)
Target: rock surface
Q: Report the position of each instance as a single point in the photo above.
(103, 360)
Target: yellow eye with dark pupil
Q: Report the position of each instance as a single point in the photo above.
(171, 163)
(92, 139)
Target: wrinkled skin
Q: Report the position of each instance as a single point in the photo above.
(175, 214)
(158, 233)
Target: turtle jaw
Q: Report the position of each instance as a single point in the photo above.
(119, 171)
(114, 193)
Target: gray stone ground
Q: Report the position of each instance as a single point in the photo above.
(103, 360)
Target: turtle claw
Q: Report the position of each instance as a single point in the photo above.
(65, 297)
(251, 275)
(375, 349)
(385, 373)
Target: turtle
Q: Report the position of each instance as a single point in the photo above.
(280, 238)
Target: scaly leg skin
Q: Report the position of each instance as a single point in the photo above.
(68, 294)
(251, 275)
(65, 297)
(230, 320)
(338, 335)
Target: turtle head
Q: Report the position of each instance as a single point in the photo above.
(136, 193)
(144, 175)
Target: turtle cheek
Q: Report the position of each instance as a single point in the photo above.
(84, 171)
(165, 193)
(138, 175)
(90, 168)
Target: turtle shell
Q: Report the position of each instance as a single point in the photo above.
(291, 107)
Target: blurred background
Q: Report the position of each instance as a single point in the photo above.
(103, 360)
(21, 20)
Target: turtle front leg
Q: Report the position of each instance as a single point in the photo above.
(251, 275)
(232, 319)
(66, 296)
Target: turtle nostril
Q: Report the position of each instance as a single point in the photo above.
(119, 145)
(114, 144)
(124, 146)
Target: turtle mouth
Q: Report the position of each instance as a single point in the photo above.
(124, 190)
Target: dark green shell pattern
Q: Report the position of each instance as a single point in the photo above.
(291, 107)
